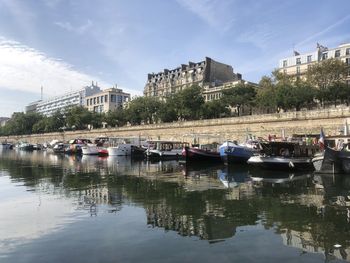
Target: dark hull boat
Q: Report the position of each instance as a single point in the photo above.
(282, 163)
(332, 161)
(288, 156)
(192, 154)
(233, 153)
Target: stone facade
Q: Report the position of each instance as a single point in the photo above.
(217, 130)
(107, 100)
(209, 73)
(214, 93)
(298, 64)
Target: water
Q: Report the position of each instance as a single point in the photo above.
(88, 209)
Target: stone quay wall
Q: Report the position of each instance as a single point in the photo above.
(215, 130)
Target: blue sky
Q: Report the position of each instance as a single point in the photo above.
(63, 45)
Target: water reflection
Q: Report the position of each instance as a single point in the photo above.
(310, 213)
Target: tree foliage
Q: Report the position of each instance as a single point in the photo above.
(324, 83)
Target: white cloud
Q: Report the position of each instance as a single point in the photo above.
(26, 69)
(76, 29)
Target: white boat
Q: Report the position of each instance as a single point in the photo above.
(165, 149)
(90, 149)
(123, 146)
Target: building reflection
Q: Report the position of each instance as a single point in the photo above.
(310, 212)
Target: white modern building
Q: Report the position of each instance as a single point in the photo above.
(74, 98)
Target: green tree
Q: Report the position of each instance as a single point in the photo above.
(326, 76)
(78, 117)
(266, 97)
(143, 109)
(188, 103)
(239, 96)
(115, 118)
(215, 109)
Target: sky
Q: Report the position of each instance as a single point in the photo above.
(64, 45)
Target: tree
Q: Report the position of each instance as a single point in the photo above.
(78, 117)
(266, 97)
(215, 109)
(325, 75)
(239, 96)
(188, 103)
(143, 109)
(115, 118)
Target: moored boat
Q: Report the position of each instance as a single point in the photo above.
(165, 149)
(232, 152)
(123, 146)
(90, 149)
(195, 154)
(102, 152)
(332, 161)
(284, 156)
(5, 146)
(75, 146)
(24, 146)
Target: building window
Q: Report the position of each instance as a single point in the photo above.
(308, 67)
(284, 71)
(347, 52)
(102, 99)
(337, 54)
(113, 98)
(298, 70)
(298, 61)
(94, 101)
(284, 63)
(309, 58)
(87, 102)
(324, 55)
(106, 98)
(98, 100)
(347, 61)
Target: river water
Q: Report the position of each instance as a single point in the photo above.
(88, 209)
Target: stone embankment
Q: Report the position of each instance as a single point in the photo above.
(218, 130)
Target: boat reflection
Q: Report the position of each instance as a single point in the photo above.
(233, 175)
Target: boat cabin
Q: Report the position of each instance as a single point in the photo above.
(289, 149)
(167, 145)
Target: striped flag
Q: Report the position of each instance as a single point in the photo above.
(321, 140)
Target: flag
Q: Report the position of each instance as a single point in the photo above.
(321, 140)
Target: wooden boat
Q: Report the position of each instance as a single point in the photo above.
(285, 156)
(196, 154)
(165, 149)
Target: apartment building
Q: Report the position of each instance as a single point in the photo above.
(74, 98)
(298, 64)
(208, 72)
(107, 100)
(215, 93)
